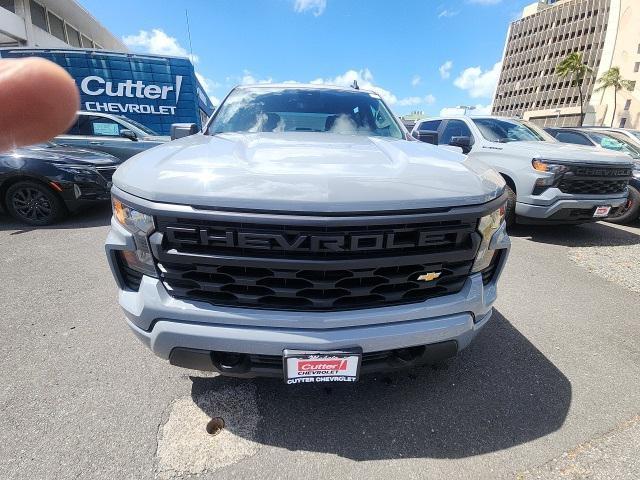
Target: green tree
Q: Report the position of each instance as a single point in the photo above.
(612, 78)
(572, 66)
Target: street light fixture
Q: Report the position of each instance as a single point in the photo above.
(465, 108)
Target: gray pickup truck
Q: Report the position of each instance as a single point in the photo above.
(305, 235)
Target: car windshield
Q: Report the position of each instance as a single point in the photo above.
(617, 142)
(140, 126)
(506, 130)
(635, 133)
(273, 109)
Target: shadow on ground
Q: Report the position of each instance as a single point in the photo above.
(96, 216)
(586, 235)
(500, 392)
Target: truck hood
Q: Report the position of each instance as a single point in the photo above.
(564, 151)
(305, 171)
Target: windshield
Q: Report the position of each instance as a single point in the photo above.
(506, 130)
(140, 126)
(617, 142)
(635, 133)
(272, 109)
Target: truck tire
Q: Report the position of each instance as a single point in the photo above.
(34, 203)
(630, 211)
(510, 207)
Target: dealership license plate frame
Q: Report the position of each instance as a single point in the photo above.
(350, 356)
(602, 211)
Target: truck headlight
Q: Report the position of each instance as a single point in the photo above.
(487, 226)
(140, 225)
(555, 172)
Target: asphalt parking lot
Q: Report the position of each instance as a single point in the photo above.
(548, 390)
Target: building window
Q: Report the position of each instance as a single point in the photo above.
(636, 67)
(627, 104)
(56, 26)
(73, 36)
(623, 122)
(38, 16)
(8, 5)
(86, 42)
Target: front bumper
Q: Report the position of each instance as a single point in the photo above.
(566, 210)
(191, 333)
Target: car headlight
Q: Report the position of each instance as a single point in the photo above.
(76, 169)
(141, 226)
(487, 227)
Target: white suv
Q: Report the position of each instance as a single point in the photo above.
(548, 181)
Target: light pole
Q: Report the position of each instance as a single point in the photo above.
(557, 112)
(465, 108)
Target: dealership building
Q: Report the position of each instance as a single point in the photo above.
(151, 89)
(606, 32)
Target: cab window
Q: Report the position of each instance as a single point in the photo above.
(572, 137)
(98, 126)
(454, 128)
(430, 125)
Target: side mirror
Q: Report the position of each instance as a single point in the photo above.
(179, 130)
(427, 136)
(463, 142)
(130, 134)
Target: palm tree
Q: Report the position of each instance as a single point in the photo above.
(573, 66)
(612, 78)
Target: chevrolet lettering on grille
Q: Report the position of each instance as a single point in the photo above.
(300, 242)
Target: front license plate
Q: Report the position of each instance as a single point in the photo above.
(602, 211)
(310, 367)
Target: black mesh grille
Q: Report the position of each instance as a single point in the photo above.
(593, 187)
(293, 289)
(595, 180)
(272, 277)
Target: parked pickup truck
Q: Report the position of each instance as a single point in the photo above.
(304, 234)
(547, 181)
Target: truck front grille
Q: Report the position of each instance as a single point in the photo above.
(592, 187)
(595, 180)
(315, 266)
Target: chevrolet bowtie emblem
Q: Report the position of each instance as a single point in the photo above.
(427, 277)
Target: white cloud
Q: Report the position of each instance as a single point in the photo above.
(415, 81)
(317, 7)
(411, 101)
(445, 69)
(453, 111)
(477, 82)
(365, 81)
(157, 42)
(248, 79)
(448, 13)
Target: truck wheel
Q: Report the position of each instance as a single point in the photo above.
(630, 211)
(510, 208)
(33, 203)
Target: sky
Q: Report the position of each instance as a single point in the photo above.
(426, 55)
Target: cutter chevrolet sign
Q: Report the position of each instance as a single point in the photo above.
(97, 86)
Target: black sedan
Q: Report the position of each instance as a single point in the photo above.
(41, 184)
